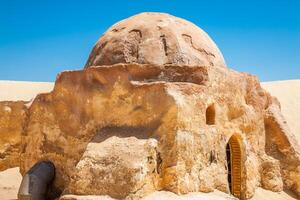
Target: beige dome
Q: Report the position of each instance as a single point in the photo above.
(155, 38)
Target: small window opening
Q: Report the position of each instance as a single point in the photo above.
(210, 115)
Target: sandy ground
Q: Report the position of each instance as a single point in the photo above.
(164, 195)
(10, 180)
(288, 93)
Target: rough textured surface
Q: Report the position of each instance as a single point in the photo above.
(167, 103)
(288, 95)
(12, 122)
(159, 127)
(123, 166)
(16, 97)
(155, 38)
(283, 147)
(271, 178)
(10, 179)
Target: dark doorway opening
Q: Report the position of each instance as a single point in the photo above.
(228, 165)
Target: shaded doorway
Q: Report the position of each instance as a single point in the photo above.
(233, 154)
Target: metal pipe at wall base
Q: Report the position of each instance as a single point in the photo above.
(36, 182)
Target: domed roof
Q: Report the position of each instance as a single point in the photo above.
(155, 38)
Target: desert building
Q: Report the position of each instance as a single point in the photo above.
(155, 108)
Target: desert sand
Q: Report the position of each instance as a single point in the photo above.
(10, 180)
(286, 91)
(22, 90)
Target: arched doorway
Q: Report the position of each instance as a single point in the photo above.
(234, 154)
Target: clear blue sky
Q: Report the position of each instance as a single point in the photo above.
(40, 38)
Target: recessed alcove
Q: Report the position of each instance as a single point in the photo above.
(210, 115)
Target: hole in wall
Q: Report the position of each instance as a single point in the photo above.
(210, 115)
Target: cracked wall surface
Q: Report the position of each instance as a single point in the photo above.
(155, 38)
(126, 129)
(120, 106)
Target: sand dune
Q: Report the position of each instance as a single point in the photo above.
(288, 93)
(22, 90)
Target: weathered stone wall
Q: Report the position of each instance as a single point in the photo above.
(161, 121)
(156, 38)
(124, 109)
(12, 123)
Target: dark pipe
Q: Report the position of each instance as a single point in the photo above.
(35, 183)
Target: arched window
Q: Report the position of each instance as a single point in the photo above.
(210, 115)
